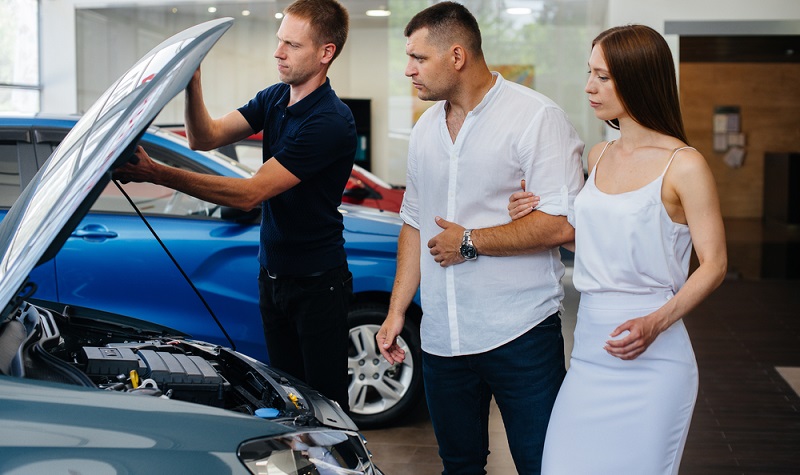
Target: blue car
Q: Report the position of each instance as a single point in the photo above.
(191, 265)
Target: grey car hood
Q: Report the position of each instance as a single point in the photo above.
(67, 185)
(53, 428)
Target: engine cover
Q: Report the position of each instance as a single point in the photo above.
(189, 378)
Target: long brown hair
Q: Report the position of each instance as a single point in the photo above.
(640, 62)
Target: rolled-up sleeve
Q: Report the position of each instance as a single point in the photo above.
(551, 161)
(409, 210)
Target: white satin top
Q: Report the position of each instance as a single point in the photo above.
(626, 242)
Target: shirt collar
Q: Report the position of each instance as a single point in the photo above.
(490, 93)
(305, 104)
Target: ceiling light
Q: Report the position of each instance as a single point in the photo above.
(245, 12)
(378, 13)
(518, 11)
(279, 15)
(212, 9)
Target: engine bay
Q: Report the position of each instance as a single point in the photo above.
(69, 348)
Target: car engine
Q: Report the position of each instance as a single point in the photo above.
(115, 354)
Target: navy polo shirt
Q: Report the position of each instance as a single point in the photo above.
(315, 139)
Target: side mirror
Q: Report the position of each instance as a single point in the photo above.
(355, 192)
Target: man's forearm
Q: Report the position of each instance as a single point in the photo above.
(407, 277)
(534, 233)
(225, 191)
(198, 121)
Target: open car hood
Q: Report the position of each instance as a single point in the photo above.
(67, 185)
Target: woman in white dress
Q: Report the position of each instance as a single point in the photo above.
(627, 401)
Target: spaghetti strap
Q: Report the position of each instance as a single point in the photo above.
(604, 151)
(674, 152)
(594, 169)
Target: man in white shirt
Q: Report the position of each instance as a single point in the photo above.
(491, 324)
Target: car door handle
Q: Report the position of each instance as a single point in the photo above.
(94, 232)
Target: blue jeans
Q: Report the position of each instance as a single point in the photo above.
(305, 326)
(523, 375)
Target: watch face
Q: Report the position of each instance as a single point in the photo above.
(468, 252)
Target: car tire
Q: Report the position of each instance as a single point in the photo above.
(381, 393)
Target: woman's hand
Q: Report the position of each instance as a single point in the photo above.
(643, 331)
(522, 203)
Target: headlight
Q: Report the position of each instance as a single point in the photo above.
(312, 452)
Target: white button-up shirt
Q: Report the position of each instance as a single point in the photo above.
(514, 133)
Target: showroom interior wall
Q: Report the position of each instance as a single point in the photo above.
(369, 68)
(19, 55)
(108, 40)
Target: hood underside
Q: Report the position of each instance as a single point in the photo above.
(67, 185)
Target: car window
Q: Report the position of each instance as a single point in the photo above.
(9, 174)
(150, 198)
(249, 153)
(155, 199)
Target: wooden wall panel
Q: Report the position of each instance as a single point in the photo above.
(740, 49)
(769, 97)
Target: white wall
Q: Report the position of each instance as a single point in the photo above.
(57, 68)
(367, 69)
(654, 13)
(110, 40)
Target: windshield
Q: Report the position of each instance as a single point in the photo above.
(372, 177)
(239, 168)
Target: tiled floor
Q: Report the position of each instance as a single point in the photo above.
(746, 338)
(747, 417)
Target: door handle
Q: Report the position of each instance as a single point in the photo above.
(94, 232)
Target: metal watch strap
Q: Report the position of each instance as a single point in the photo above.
(468, 251)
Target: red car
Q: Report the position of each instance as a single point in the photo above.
(363, 188)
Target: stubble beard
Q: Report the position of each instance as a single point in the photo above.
(426, 94)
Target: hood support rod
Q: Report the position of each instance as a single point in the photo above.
(178, 266)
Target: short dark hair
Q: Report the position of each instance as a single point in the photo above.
(448, 22)
(329, 20)
(641, 65)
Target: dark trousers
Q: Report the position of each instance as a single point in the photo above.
(523, 375)
(305, 326)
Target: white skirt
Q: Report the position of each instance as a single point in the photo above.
(622, 417)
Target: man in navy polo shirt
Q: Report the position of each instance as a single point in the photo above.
(305, 286)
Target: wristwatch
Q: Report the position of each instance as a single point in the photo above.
(468, 251)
